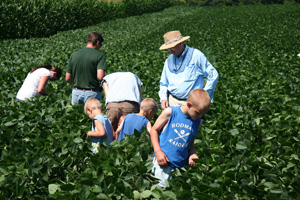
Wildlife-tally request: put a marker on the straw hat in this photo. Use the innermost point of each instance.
(172, 38)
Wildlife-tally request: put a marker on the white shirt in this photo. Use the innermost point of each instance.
(123, 86)
(30, 86)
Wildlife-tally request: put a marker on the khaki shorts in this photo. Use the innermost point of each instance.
(175, 102)
(115, 110)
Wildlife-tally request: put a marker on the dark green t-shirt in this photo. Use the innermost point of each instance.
(83, 66)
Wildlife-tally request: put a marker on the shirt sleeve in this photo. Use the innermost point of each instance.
(211, 75)
(102, 63)
(164, 83)
(140, 84)
(69, 69)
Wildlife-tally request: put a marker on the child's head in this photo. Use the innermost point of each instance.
(198, 103)
(92, 107)
(150, 107)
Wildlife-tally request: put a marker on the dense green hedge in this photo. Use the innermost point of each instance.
(40, 18)
(237, 2)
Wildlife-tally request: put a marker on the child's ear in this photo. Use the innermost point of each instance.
(189, 105)
(149, 111)
(88, 110)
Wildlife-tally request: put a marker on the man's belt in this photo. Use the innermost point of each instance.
(179, 99)
(85, 89)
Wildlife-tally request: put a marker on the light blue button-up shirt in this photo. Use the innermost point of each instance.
(183, 74)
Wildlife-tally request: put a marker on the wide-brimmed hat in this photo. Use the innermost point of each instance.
(172, 38)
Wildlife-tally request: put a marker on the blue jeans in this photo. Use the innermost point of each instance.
(80, 96)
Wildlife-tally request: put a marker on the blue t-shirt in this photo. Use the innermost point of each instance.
(132, 122)
(175, 140)
(108, 130)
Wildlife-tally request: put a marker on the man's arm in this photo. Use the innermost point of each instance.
(160, 123)
(100, 74)
(211, 75)
(105, 87)
(69, 78)
(163, 88)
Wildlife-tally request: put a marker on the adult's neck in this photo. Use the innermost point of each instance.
(90, 45)
(182, 50)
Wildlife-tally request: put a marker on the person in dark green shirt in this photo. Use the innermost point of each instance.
(86, 70)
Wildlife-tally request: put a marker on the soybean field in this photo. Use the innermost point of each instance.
(249, 142)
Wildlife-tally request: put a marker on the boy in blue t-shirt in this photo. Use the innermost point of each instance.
(173, 134)
(136, 121)
(102, 130)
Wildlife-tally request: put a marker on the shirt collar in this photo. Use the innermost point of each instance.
(184, 52)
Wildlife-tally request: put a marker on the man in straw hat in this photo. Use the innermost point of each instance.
(184, 71)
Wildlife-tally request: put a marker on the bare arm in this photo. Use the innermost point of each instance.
(42, 85)
(69, 78)
(148, 126)
(99, 130)
(119, 130)
(192, 154)
(100, 74)
(105, 87)
(114, 134)
(160, 123)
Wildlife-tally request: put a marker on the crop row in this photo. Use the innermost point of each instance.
(39, 18)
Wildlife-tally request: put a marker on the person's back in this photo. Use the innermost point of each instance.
(86, 70)
(138, 121)
(123, 95)
(86, 62)
(123, 86)
(131, 123)
(30, 86)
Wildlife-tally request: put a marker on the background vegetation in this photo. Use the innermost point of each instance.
(238, 2)
(248, 144)
(41, 18)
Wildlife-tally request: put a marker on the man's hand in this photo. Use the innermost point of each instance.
(191, 162)
(69, 78)
(162, 159)
(164, 104)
